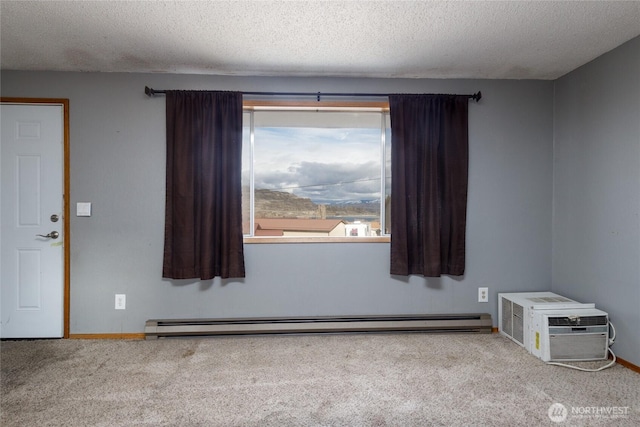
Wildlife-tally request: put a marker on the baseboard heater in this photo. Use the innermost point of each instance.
(165, 328)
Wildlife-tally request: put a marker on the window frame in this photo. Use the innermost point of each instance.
(280, 105)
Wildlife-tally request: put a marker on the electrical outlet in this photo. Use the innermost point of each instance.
(483, 294)
(121, 301)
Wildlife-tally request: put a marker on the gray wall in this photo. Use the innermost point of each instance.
(117, 162)
(596, 200)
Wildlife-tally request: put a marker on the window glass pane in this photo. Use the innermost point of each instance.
(317, 165)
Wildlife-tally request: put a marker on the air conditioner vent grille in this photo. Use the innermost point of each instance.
(518, 323)
(578, 321)
(542, 300)
(507, 317)
(578, 347)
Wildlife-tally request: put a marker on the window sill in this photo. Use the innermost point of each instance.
(278, 240)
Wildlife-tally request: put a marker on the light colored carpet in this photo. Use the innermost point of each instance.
(334, 380)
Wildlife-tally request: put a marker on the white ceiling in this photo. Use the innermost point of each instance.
(430, 39)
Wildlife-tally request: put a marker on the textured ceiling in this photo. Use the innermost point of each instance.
(431, 39)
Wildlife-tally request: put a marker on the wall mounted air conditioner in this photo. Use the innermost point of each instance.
(553, 327)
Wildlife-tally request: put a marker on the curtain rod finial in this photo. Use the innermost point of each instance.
(148, 91)
(477, 96)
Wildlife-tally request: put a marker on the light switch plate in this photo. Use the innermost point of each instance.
(83, 209)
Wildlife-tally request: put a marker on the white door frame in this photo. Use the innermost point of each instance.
(65, 160)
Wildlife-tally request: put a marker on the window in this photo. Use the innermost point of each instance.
(318, 172)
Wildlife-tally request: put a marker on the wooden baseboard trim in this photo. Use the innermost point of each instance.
(628, 365)
(494, 330)
(123, 336)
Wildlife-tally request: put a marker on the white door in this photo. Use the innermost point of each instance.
(31, 208)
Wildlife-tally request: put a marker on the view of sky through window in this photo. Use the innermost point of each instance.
(326, 165)
(309, 165)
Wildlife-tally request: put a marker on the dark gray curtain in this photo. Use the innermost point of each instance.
(203, 217)
(429, 168)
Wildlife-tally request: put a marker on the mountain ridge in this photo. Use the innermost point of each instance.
(281, 204)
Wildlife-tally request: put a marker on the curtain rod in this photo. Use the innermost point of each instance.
(151, 92)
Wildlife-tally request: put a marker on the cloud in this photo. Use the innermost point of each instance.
(323, 164)
(325, 181)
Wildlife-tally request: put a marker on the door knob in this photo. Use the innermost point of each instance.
(52, 235)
